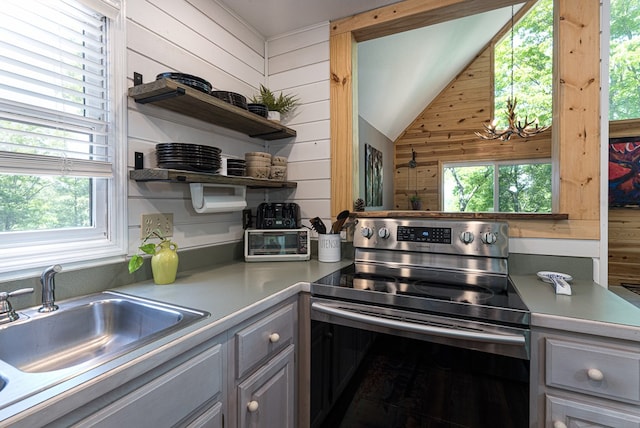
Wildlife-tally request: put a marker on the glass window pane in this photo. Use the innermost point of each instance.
(524, 188)
(468, 188)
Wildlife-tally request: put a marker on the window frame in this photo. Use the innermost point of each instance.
(496, 168)
(26, 254)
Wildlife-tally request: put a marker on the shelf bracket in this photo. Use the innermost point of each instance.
(154, 98)
(227, 198)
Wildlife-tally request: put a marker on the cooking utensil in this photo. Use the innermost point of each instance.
(318, 225)
(342, 216)
(559, 281)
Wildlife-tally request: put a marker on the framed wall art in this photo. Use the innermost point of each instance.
(372, 176)
(624, 172)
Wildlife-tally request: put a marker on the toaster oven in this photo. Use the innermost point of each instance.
(276, 245)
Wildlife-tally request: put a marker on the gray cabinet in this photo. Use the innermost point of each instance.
(264, 352)
(191, 390)
(586, 381)
(267, 397)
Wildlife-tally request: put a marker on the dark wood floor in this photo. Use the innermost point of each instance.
(406, 384)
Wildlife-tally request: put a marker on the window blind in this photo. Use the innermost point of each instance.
(53, 89)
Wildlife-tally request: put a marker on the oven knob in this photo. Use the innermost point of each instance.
(466, 237)
(489, 238)
(367, 232)
(383, 233)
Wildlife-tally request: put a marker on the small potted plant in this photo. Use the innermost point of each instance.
(416, 203)
(279, 106)
(164, 258)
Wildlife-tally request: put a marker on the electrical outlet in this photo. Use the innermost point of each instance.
(151, 222)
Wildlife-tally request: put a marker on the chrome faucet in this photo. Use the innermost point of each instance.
(7, 313)
(47, 279)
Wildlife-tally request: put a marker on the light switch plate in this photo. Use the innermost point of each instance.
(160, 221)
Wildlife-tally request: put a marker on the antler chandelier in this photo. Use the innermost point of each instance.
(516, 127)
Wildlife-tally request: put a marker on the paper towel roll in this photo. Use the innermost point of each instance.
(226, 198)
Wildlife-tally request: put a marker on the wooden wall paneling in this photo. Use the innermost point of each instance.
(142, 42)
(182, 48)
(342, 123)
(186, 36)
(298, 63)
(577, 113)
(234, 28)
(423, 179)
(210, 32)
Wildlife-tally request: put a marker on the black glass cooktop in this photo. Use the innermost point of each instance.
(488, 302)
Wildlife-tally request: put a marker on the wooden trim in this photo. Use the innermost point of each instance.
(411, 14)
(576, 132)
(341, 118)
(451, 215)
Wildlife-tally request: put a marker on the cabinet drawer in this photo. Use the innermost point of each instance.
(167, 399)
(570, 413)
(596, 370)
(264, 338)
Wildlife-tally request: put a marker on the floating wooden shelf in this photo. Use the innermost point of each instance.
(470, 216)
(179, 176)
(170, 95)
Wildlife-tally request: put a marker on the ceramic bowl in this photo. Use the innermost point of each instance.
(279, 160)
(258, 171)
(278, 173)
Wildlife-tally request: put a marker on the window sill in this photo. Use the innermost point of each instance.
(468, 216)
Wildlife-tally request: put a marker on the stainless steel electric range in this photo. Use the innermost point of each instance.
(436, 280)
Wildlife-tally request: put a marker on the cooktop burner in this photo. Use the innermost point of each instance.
(483, 302)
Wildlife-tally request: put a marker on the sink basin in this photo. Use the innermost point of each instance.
(92, 329)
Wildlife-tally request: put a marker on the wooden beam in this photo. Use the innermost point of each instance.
(576, 129)
(341, 118)
(411, 14)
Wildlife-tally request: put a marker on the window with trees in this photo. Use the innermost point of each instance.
(624, 60)
(498, 187)
(57, 138)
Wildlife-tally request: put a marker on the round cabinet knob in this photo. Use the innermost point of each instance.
(383, 233)
(595, 374)
(274, 337)
(559, 424)
(466, 237)
(367, 232)
(489, 238)
(252, 406)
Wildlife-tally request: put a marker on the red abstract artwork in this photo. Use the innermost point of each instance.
(624, 172)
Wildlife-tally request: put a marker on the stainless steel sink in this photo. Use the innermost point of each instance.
(90, 330)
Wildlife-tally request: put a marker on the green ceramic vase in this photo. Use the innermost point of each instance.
(164, 263)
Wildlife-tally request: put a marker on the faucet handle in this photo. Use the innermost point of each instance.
(7, 313)
(4, 295)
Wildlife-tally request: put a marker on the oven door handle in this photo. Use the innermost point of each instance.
(508, 339)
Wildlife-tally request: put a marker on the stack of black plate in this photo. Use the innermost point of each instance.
(236, 167)
(259, 109)
(190, 157)
(194, 82)
(232, 98)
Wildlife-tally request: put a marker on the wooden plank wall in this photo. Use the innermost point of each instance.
(624, 225)
(201, 37)
(444, 132)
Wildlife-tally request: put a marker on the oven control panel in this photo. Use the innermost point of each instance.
(478, 238)
(436, 235)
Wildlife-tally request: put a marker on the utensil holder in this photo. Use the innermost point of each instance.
(329, 247)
